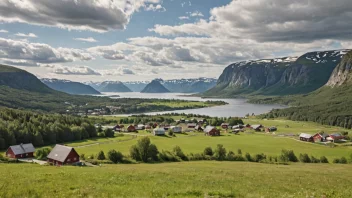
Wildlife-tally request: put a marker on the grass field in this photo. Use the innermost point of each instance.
(186, 179)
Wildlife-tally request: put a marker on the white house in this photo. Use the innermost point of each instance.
(176, 129)
(159, 131)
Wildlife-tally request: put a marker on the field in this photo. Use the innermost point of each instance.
(253, 143)
(186, 179)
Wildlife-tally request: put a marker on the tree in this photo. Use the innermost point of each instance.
(144, 150)
(178, 152)
(115, 156)
(109, 133)
(220, 152)
(323, 159)
(153, 152)
(134, 153)
(208, 151)
(101, 155)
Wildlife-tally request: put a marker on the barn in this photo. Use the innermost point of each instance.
(131, 128)
(211, 131)
(225, 125)
(320, 137)
(62, 155)
(159, 131)
(336, 137)
(306, 137)
(176, 129)
(20, 151)
(199, 128)
(191, 125)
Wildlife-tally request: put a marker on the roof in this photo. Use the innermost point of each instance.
(256, 126)
(324, 135)
(159, 130)
(192, 124)
(208, 129)
(60, 153)
(22, 148)
(224, 124)
(172, 127)
(237, 126)
(305, 135)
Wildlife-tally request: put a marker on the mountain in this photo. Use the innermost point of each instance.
(110, 86)
(280, 76)
(330, 104)
(69, 87)
(136, 86)
(189, 85)
(155, 87)
(19, 79)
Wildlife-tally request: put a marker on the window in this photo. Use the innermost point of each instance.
(74, 159)
(68, 160)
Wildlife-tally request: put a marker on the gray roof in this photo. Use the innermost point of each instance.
(60, 153)
(208, 129)
(305, 135)
(23, 148)
(159, 130)
(256, 126)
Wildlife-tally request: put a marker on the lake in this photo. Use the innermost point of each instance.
(236, 107)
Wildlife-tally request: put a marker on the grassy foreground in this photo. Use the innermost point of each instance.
(187, 179)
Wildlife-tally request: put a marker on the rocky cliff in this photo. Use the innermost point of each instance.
(342, 74)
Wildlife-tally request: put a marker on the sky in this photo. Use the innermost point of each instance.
(137, 40)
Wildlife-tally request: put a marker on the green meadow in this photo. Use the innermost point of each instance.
(185, 179)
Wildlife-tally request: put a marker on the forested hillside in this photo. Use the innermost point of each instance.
(18, 127)
(70, 87)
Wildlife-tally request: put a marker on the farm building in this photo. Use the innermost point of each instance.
(199, 128)
(270, 129)
(117, 128)
(61, 155)
(148, 127)
(335, 137)
(320, 137)
(306, 137)
(140, 127)
(167, 127)
(257, 127)
(176, 129)
(225, 125)
(131, 128)
(20, 151)
(240, 126)
(211, 131)
(191, 125)
(159, 131)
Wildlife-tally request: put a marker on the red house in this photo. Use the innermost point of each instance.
(335, 137)
(61, 155)
(225, 125)
(20, 151)
(211, 131)
(320, 137)
(131, 128)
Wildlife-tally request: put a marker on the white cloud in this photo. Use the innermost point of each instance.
(18, 50)
(157, 7)
(196, 14)
(120, 71)
(93, 15)
(183, 17)
(89, 39)
(72, 70)
(4, 31)
(30, 35)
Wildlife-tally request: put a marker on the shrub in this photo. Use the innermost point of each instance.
(323, 159)
(304, 158)
(41, 154)
(314, 160)
(178, 152)
(208, 151)
(101, 156)
(134, 153)
(109, 133)
(220, 152)
(153, 152)
(144, 151)
(115, 156)
(231, 156)
(82, 156)
(239, 151)
(167, 156)
(343, 160)
(288, 156)
(91, 156)
(259, 157)
(170, 133)
(336, 161)
(248, 157)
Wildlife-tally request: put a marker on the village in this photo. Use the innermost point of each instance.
(61, 154)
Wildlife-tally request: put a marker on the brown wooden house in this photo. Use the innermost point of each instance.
(211, 131)
(61, 155)
(306, 137)
(225, 125)
(21, 151)
(131, 128)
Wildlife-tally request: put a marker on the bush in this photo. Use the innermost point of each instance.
(41, 154)
(208, 151)
(220, 152)
(259, 157)
(288, 156)
(231, 156)
(101, 156)
(167, 156)
(248, 157)
(170, 133)
(153, 152)
(115, 157)
(134, 153)
(239, 151)
(336, 161)
(178, 152)
(82, 157)
(343, 160)
(91, 156)
(323, 159)
(109, 133)
(304, 158)
(314, 160)
(144, 151)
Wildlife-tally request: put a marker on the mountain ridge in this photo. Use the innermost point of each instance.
(70, 87)
(155, 87)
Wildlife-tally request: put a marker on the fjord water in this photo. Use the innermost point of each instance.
(235, 107)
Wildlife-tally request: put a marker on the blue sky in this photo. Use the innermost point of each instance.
(147, 39)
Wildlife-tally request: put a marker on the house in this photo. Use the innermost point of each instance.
(257, 127)
(140, 127)
(159, 131)
(176, 129)
(199, 128)
(148, 127)
(335, 137)
(211, 131)
(191, 125)
(167, 127)
(225, 125)
(117, 128)
(240, 126)
(182, 120)
(61, 155)
(21, 151)
(306, 137)
(320, 137)
(131, 128)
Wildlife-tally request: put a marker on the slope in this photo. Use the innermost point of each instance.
(111, 86)
(155, 87)
(69, 87)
